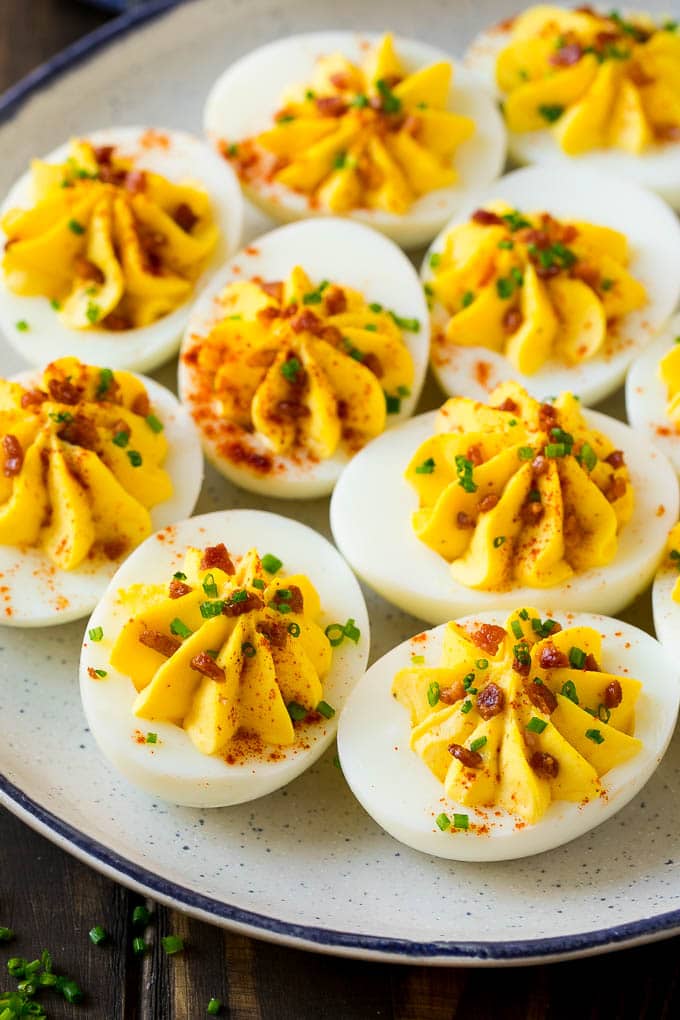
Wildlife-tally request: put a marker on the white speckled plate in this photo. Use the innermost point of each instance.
(306, 865)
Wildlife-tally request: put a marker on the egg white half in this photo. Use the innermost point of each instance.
(658, 169)
(172, 768)
(36, 593)
(243, 100)
(371, 521)
(185, 159)
(646, 396)
(345, 253)
(398, 790)
(666, 611)
(653, 233)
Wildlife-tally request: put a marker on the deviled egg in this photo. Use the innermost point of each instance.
(106, 241)
(309, 343)
(388, 131)
(666, 596)
(213, 667)
(598, 88)
(653, 392)
(93, 462)
(490, 739)
(487, 505)
(556, 281)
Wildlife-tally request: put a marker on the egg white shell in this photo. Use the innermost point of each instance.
(646, 396)
(36, 593)
(658, 169)
(243, 100)
(396, 787)
(371, 521)
(186, 159)
(348, 254)
(653, 233)
(173, 769)
(666, 611)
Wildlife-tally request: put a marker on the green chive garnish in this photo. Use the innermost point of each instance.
(105, 380)
(209, 586)
(577, 658)
(172, 944)
(427, 467)
(326, 710)
(97, 935)
(296, 711)
(75, 227)
(466, 706)
(498, 541)
(180, 629)
(477, 744)
(22, 325)
(6, 934)
(551, 112)
(523, 614)
(525, 453)
(417, 660)
(294, 629)
(121, 439)
(603, 713)
(392, 404)
(443, 822)
(410, 325)
(139, 946)
(569, 691)
(467, 298)
(214, 1007)
(289, 369)
(435, 259)
(135, 458)
(482, 663)
(101, 673)
(461, 822)
(152, 738)
(179, 576)
(587, 457)
(248, 649)
(433, 693)
(595, 736)
(271, 563)
(95, 633)
(259, 583)
(92, 312)
(154, 423)
(517, 629)
(536, 725)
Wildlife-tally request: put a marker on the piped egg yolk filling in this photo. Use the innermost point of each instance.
(532, 287)
(377, 136)
(517, 492)
(82, 457)
(674, 557)
(669, 369)
(306, 367)
(112, 246)
(518, 716)
(226, 649)
(595, 80)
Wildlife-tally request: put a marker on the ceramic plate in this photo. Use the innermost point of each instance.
(305, 866)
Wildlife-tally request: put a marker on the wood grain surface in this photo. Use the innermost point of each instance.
(52, 901)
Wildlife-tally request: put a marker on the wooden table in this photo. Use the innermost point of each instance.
(52, 901)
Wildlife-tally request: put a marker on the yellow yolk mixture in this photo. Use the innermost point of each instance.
(597, 80)
(669, 369)
(375, 136)
(307, 367)
(518, 716)
(82, 457)
(517, 492)
(226, 649)
(111, 246)
(532, 287)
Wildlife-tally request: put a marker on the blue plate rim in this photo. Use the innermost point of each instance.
(305, 936)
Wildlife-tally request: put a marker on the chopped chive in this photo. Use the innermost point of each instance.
(477, 744)
(427, 467)
(135, 458)
(505, 287)
(392, 404)
(417, 660)
(390, 102)
(443, 822)
(179, 576)
(466, 706)
(95, 633)
(568, 690)
(360, 101)
(370, 327)
(172, 944)
(555, 450)
(312, 298)
(498, 541)
(209, 586)
(410, 325)
(295, 711)
(523, 614)
(70, 990)
(525, 453)
(335, 633)
(22, 325)
(154, 423)
(461, 822)
(326, 710)
(482, 664)
(375, 307)
(465, 470)
(271, 563)
(468, 680)
(6, 934)
(595, 736)
(467, 298)
(515, 220)
(152, 738)
(290, 368)
(577, 658)
(215, 1006)
(606, 284)
(603, 713)
(587, 457)
(75, 227)
(121, 439)
(352, 631)
(294, 629)
(92, 312)
(55, 304)
(105, 381)
(433, 692)
(551, 111)
(536, 725)
(517, 629)
(61, 416)
(248, 649)
(240, 595)
(259, 583)
(101, 673)
(435, 259)
(97, 935)
(179, 628)
(506, 244)
(212, 652)
(139, 946)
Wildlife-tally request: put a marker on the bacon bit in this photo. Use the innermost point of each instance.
(532, 511)
(331, 106)
(114, 549)
(486, 218)
(587, 274)
(668, 132)
(185, 217)
(289, 311)
(512, 320)
(115, 322)
(14, 455)
(250, 602)
(540, 465)
(135, 182)
(33, 399)
(469, 759)
(108, 174)
(335, 300)
(216, 556)
(177, 589)
(566, 56)
(64, 392)
(240, 454)
(449, 695)
(547, 272)
(87, 270)
(342, 409)
(103, 154)
(291, 409)
(544, 764)
(616, 459)
(164, 644)
(541, 697)
(141, 405)
(274, 288)
(268, 313)
(490, 701)
(340, 80)
(464, 520)
(332, 335)
(294, 600)
(263, 358)
(275, 633)
(475, 454)
(508, 405)
(487, 503)
(373, 363)
(488, 637)
(547, 416)
(591, 663)
(616, 489)
(613, 695)
(638, 76)
(552, 658)
(81, 431)
(306, 321)
(206, 666)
